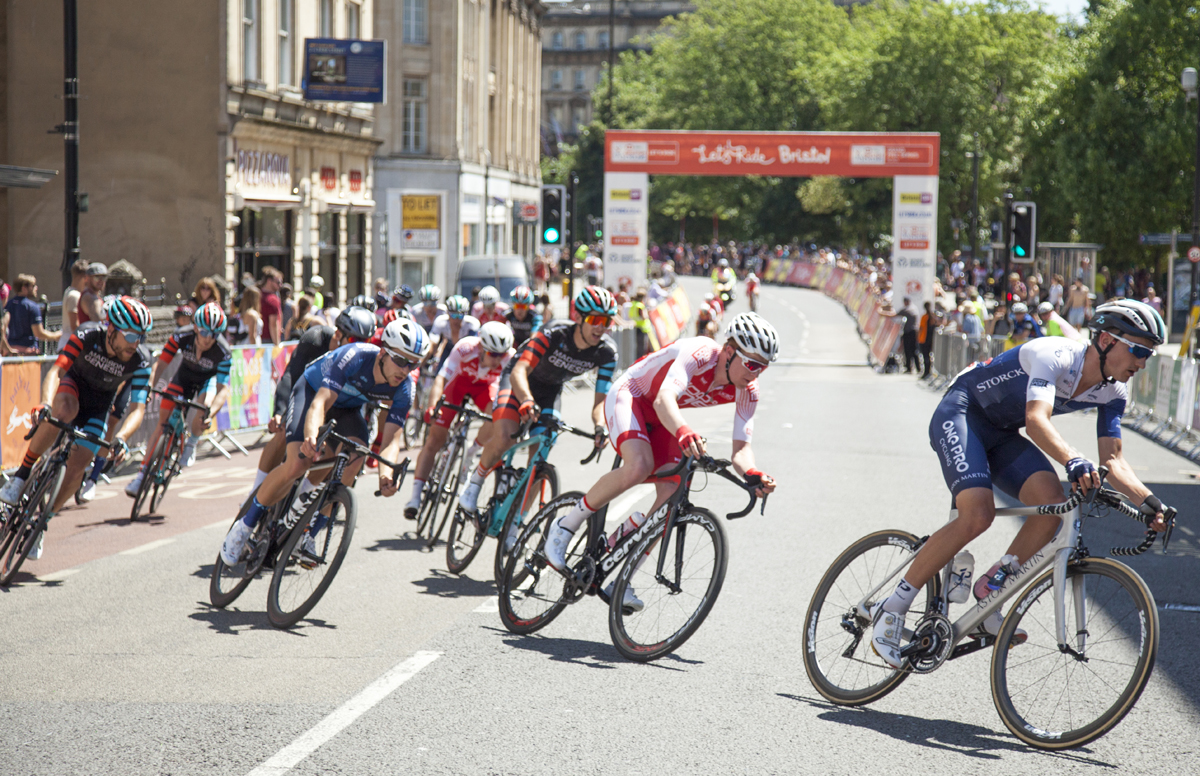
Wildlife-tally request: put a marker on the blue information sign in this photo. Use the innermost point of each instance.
(344, 70)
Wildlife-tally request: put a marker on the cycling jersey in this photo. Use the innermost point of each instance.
(465, 375)
(197, 370)
(497, 313)
(424, 321)
(86, 361)
(523, 330)
(441, 328)
(349, 372)
(1027, 327)
(312, 345)
(553, 359)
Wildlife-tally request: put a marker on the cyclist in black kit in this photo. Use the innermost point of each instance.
(521, 317)
(535, 378)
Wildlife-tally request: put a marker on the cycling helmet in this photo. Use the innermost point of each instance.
(363, 301)
(709, 297)
(458, 304)
(489, 295)
(1045, 307)
(1020, 307)
(357, 322)
(594, 300)
(521, 295)
(1137, 319)
(403, 293)
(404, 337)
(210, 319)
(723, 263)
(317, 282)
(496, 337)
(128, 314)
(430, 294)
(755, 336)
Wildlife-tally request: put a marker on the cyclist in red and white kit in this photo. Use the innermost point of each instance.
(472, 369)
(489, 307)
(647, 429)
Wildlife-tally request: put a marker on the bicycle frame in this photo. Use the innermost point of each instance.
(525, 481)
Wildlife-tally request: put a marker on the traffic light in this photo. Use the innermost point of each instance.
(597, 226)
(1024, 232)
(554, 215)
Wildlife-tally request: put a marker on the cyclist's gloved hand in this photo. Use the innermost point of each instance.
(274, 424)
(1082, 472)
(1153, 507)
(601, 436)
(689, 441)
(765, 482)
(429, 415)
(118, 451)
(528, 410)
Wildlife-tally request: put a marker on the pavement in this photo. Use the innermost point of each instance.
(122, 666)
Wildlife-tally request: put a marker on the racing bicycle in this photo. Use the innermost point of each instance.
(23, 524)
(446, 476)
(678, 585)
(415, 429)
(163, 462)
(302, 570)
(1091, 624)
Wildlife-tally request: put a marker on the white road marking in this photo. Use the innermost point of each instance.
(57, 576)
(216, 490)
(341, 718)
(490, 605)
(624, 504)
(146, 547)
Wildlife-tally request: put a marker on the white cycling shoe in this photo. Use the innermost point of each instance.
(510, 539)
(36, 552)
(135, 484)
(87, 491)
(628, 601)
(469, 500)
(11, 492)
(412, 507)
(235, 542)
(887, 635)
(188, 456)
(558, 540)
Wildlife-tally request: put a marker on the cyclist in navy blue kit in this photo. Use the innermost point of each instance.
(336, 387)
(975, 432)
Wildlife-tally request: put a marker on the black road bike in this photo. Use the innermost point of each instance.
(163, 462)
(446, 476)
(678, 588)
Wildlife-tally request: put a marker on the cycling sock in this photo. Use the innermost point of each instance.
(26, 466)
(97, 467)
(579, 513)
(255, 511)
(418, 486)
(259, 476)
(899, 601)
(306, 486)
(481, 474)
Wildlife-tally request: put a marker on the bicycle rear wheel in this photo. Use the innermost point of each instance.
(150, 473)
(228, 582)
(532, 593)
(449, 496)
(29, 523)
(169, 468)
(838, 656)
(300, 579)
(542, 489)
(469, 529)
(673, 608)
(438, 493)
(1056, 700)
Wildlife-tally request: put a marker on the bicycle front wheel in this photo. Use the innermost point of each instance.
(150, 473)
(838, 656)
(438, 492)
(1055, 699)
(27, 525)
(449, 494)
(542, 489)
(674, 606)
(169, 466)
(303, 575)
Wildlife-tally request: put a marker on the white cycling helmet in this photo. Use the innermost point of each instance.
(755, 336)
(496, 337)
(458, 304)
(489, 295)
(404, 337)
(1020, 307)
(1129, 317)
(1045, 307)
(317, 282)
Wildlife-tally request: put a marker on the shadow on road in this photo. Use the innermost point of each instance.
(946, 735)
(24, 578)
(233, 622)
(405, 542)
(443, 584)
(584, 653)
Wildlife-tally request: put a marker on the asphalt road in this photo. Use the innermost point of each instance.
(116, 663)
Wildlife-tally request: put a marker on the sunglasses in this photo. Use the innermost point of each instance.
(132, 338)
(752, 366)
(598, 320)
(1139, 351)
(519, 306)
(457, 316)
(400, 361)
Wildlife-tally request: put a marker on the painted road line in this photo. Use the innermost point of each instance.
(57, 576)
(489, 606)
(291, 755)
(622, 505)
(146, 547)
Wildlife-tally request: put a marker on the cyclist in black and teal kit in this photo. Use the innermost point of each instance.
(535, 378)
(521, 317)
(205, 357)
(79, 390)
(336, 387)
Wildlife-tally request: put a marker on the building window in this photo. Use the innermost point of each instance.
(602, 39)
(250, 41)
(556, 79)
(353, 15)
(581, 40)
(326, 18)
(356, 230)
(416, 21)
(287, 42)
(327, 261)
(263, 238)
(556, 40)
(416, 112)
(580, 80)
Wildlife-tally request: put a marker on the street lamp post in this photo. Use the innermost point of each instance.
(1188, 82)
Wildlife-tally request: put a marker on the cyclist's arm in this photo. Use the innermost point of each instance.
(324, 399)
(598, 411)
(743, 457)
(391, 449)
(139, 389)
(519, 379)
(223, 390)
(1046, 436)
(50, 385)
(435, 393)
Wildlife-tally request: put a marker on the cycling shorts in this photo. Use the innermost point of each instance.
(93, 410)
(629, 417)
(483, 395)
(351, 422)
(183, 389)
(974, 453)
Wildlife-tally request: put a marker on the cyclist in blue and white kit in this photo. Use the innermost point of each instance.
(976, 434)
(335, 387)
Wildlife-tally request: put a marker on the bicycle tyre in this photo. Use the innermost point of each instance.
(435, 493)
(27, 526)
(545, 486)
(228, 582)
(171, 463)
(826, 638)
(1115, 600)
(651, 633)
(446, 494)
(283, 608)
(531, 593)
(464, 540)
(150, 475)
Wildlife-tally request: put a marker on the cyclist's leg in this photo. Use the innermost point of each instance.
(433, 444)
(90, 417)
(271, 455)
(64, 407)
(506, 419)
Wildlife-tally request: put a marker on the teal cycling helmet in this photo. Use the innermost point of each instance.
(595, 300)
(210, 319)
(458, 304)
(129, 314)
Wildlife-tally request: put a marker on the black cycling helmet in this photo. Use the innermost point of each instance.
(357, 322)
(364, 301)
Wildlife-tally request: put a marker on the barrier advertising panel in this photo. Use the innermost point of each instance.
(20, 392)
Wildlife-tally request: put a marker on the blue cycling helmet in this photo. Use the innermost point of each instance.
(595, 300)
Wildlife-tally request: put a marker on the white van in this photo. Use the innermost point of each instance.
(504, 272)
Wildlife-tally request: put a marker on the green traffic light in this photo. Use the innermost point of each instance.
(599, 234)
(1019, 250)
(550, 235)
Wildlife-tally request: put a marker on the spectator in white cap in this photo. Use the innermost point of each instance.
(314, 290)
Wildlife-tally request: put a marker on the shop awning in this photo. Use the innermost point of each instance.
(24, 177)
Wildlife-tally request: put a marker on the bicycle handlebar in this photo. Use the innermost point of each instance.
(180, 400)
(719, 467)
(1114, 500)
(84, 436)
